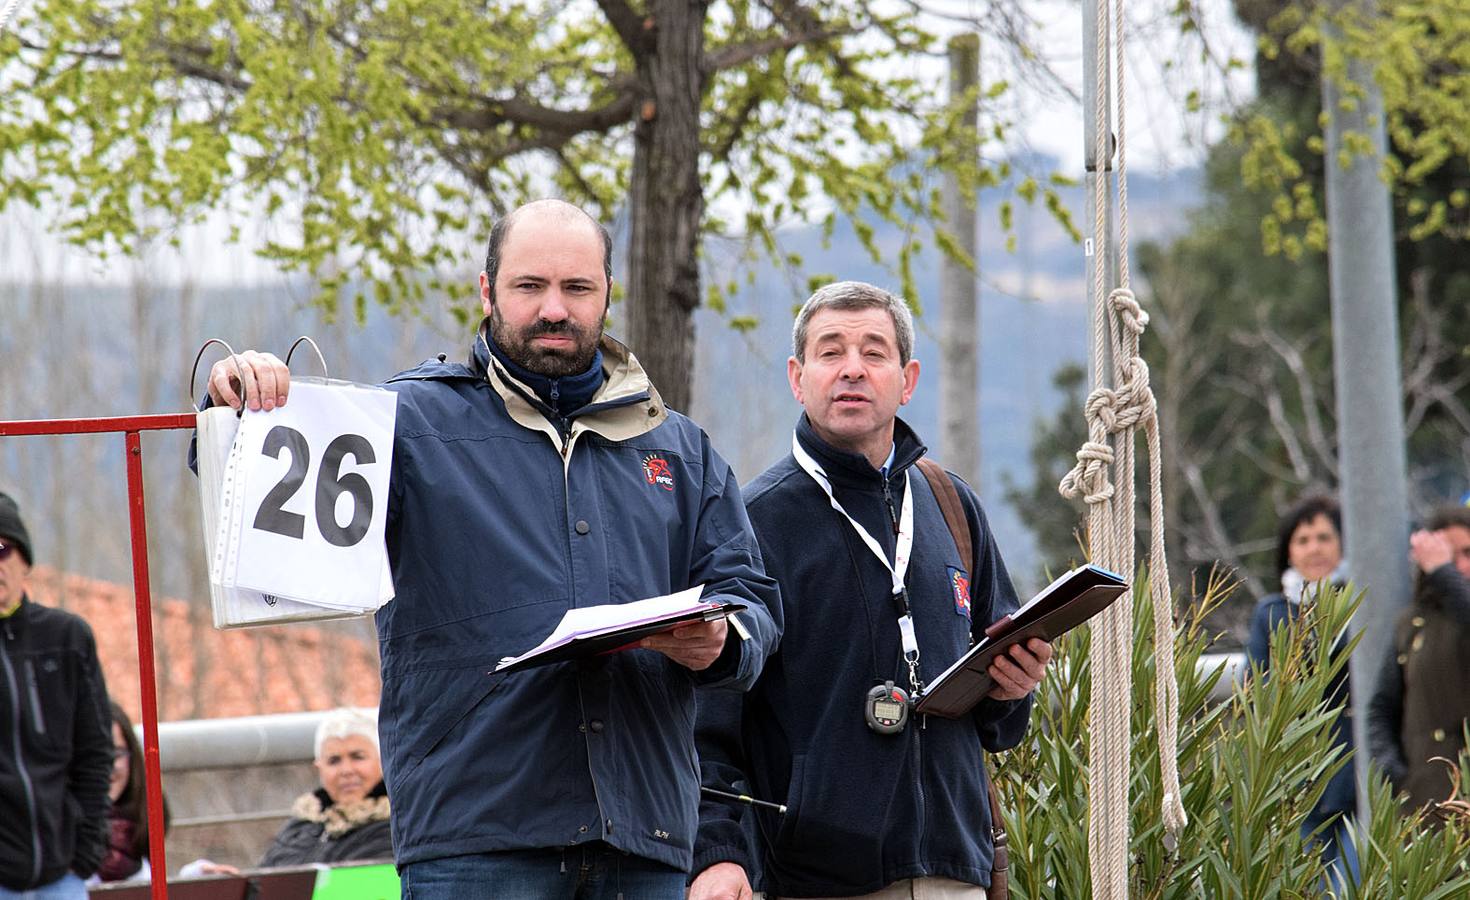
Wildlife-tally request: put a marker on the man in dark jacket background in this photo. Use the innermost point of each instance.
(543, 475)
(858, 544)
(55, 736)
(1421, 702)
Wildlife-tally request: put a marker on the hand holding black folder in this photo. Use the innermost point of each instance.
(589, 631)
(1061, 606)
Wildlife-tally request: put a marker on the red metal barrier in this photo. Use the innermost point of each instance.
(131, 427)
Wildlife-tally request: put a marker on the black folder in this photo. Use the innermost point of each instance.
(581, 646)
(1061, 606)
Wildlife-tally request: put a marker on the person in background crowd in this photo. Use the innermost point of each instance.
(55, 753)
(127, 842)
(1309, 556)
(1422, 698)
(347, 817)
(343, 820)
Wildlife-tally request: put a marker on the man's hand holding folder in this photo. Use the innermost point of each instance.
(1001, 662)
(695, 646)
(1018, 671)
(684, 627)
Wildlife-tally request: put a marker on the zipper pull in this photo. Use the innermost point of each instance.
(892, 513)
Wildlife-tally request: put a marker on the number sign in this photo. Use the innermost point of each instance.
(308, 483)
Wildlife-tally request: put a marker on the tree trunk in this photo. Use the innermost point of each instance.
(667, 203)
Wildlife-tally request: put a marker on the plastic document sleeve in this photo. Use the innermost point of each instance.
(1061, 606)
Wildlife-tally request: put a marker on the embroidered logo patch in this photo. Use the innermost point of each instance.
(656, 470)
(959, 583)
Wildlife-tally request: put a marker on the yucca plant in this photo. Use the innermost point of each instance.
(1252, 768)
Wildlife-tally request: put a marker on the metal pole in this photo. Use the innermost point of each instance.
(959, 338)
(1096, 168)
(138, 521)
(1365, 362)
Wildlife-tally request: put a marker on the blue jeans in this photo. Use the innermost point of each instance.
(593, 871)
(67, 887)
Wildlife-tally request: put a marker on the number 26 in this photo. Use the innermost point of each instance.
(330, 485)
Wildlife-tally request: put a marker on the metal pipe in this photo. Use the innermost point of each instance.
(138, 526)
(164, 422)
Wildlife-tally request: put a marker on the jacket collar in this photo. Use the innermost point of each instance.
(15, 623)
(853, 469)
(626, 406)
(337, 820)
(564, 396)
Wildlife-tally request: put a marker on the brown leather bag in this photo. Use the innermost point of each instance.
(959, 529)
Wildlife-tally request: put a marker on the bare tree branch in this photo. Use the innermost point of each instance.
(1220, 544)
(633, 30)
(739, 54)
(1311, 406)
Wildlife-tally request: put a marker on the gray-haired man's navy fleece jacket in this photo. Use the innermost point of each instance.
(865, 809)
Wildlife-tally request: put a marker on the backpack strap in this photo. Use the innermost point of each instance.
(959, 529)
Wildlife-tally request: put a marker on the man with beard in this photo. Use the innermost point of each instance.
(546, 474)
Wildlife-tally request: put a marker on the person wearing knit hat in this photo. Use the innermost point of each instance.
(13, 528)
(15, 554)
(55, 725)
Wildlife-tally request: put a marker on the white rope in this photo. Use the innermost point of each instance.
(7, 10)
(1114, 416)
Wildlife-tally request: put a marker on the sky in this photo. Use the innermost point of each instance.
(1045, 115)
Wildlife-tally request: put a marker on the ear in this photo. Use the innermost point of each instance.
(910, 380)
(487, 295)
(793, 376)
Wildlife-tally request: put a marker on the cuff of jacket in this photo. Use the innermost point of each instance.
(719, 853)
(85, 860)
(727, 665)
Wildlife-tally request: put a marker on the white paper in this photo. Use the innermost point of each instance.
(308, 566)
(232, 607)
(590, 621)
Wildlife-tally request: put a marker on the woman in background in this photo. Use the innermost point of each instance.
(126, 858)
(344, 820)
(347, 817)
(1309, 556)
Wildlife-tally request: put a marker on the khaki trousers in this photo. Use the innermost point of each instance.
(919, 889)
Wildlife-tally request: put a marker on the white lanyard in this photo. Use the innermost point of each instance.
(903, 548)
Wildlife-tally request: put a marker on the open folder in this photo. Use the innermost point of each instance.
(592, 630)
(1061, 606)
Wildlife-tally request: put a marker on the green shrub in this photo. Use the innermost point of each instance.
(1251, 768)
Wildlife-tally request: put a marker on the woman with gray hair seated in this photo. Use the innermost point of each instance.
(347, 817)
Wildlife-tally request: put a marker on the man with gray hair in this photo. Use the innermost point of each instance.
(876, 596)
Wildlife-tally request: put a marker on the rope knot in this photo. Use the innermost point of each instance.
(1133, 316)
(1136, 399)
(1102, 408)
(1089, 478)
